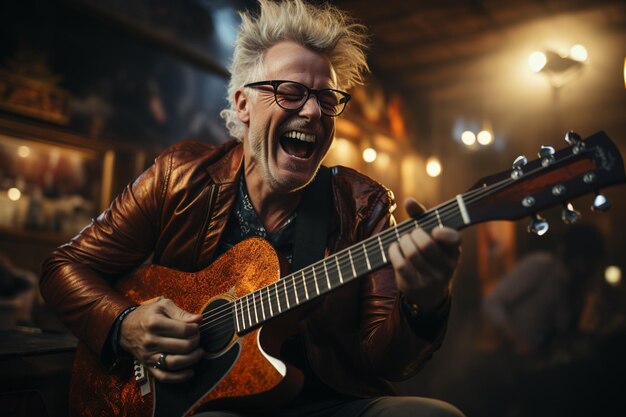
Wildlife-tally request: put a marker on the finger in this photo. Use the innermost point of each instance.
(167, 376)
(411, 246)
(173, 311)
(449, 238)
(174, 345)
(413, 208)
(165, 326)
(408, 276)
(174, 362)
(436, 259)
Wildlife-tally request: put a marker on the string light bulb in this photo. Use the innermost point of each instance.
(369, 155)
(433, 167)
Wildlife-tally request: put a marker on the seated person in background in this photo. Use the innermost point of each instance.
(540, 301)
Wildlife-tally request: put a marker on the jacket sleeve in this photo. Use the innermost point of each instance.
(394, 344)
(77, 279)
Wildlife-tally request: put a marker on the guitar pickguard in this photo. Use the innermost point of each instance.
(180, 399)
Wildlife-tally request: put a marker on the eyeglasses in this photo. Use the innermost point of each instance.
(291, 95)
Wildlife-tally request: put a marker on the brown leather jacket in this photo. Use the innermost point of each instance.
(358, 338)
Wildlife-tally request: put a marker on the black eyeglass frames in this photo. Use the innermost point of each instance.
(291, 95)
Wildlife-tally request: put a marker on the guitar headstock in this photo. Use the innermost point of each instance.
(555, 177)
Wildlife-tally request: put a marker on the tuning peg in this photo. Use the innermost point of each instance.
(538, 225)
(569, 215)
(519, 162)
(574, 140)
(600, 203)
(546, 153)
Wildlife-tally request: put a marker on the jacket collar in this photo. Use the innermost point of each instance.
(228, 168)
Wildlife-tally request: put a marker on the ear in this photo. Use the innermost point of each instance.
(242, 106)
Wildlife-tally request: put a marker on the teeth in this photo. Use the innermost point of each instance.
(305, 137)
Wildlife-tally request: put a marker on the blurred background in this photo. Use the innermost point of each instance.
(91, 91)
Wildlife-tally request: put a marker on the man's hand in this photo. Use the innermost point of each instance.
(162, 327)
(423, 263)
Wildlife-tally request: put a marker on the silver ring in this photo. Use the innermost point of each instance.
(160, 363)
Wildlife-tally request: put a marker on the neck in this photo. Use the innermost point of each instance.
(272, 207)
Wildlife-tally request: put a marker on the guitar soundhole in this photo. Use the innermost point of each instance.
(217, 327)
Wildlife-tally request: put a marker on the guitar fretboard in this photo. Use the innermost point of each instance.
(293, 290)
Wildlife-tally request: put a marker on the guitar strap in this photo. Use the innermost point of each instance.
(312, 221)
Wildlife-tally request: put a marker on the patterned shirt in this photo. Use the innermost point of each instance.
(244, 222)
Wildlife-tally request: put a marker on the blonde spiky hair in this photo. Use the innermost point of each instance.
(324, 29)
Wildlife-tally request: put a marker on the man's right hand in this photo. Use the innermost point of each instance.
(162, 327)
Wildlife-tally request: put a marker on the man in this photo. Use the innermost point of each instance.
(290, 64)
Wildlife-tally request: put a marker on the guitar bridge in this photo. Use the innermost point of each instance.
(141, 376)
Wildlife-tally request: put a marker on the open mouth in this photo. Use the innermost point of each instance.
(298, 144)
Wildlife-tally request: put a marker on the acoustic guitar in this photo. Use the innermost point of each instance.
(243, 298)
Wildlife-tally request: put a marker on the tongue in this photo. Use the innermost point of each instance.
(296, 147)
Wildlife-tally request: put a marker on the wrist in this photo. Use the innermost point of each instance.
(117, 333)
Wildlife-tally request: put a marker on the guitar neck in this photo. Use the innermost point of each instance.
(529, 187)
(338, 269)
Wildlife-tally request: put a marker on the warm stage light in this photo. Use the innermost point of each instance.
(578, 53)
(484, 137)
(613, 275)
(369, 155)
(468, 138)
(14, 194)
(537, 60)
(433, 167)
(23, 151)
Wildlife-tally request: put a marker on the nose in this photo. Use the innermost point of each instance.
(311, 108)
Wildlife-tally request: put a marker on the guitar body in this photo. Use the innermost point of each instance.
(243, 371)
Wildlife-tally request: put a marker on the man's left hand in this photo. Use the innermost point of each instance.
(425, 263)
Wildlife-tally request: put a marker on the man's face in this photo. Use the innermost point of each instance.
(284, 148)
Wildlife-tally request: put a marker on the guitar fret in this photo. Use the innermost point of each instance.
(262, 304)
(382, 251)
(463, 209)
(367, 258)
(395, 229)
(256, 316)
(286, 295)
(327, 278)
(295, 289)
(438, 218)
(269, 299)
(306, 291)
(237, 318)
(352, 263)
(339, 269)
(280, 309)
(249, 317)
(317, 288)
(243, 313)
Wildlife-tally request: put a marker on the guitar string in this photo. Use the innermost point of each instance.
(470, 197)
(358, 261)
(474, 195)
(224, 322)
(226, 310)
(387, 237)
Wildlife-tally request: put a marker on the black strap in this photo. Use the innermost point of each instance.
(312, 221)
